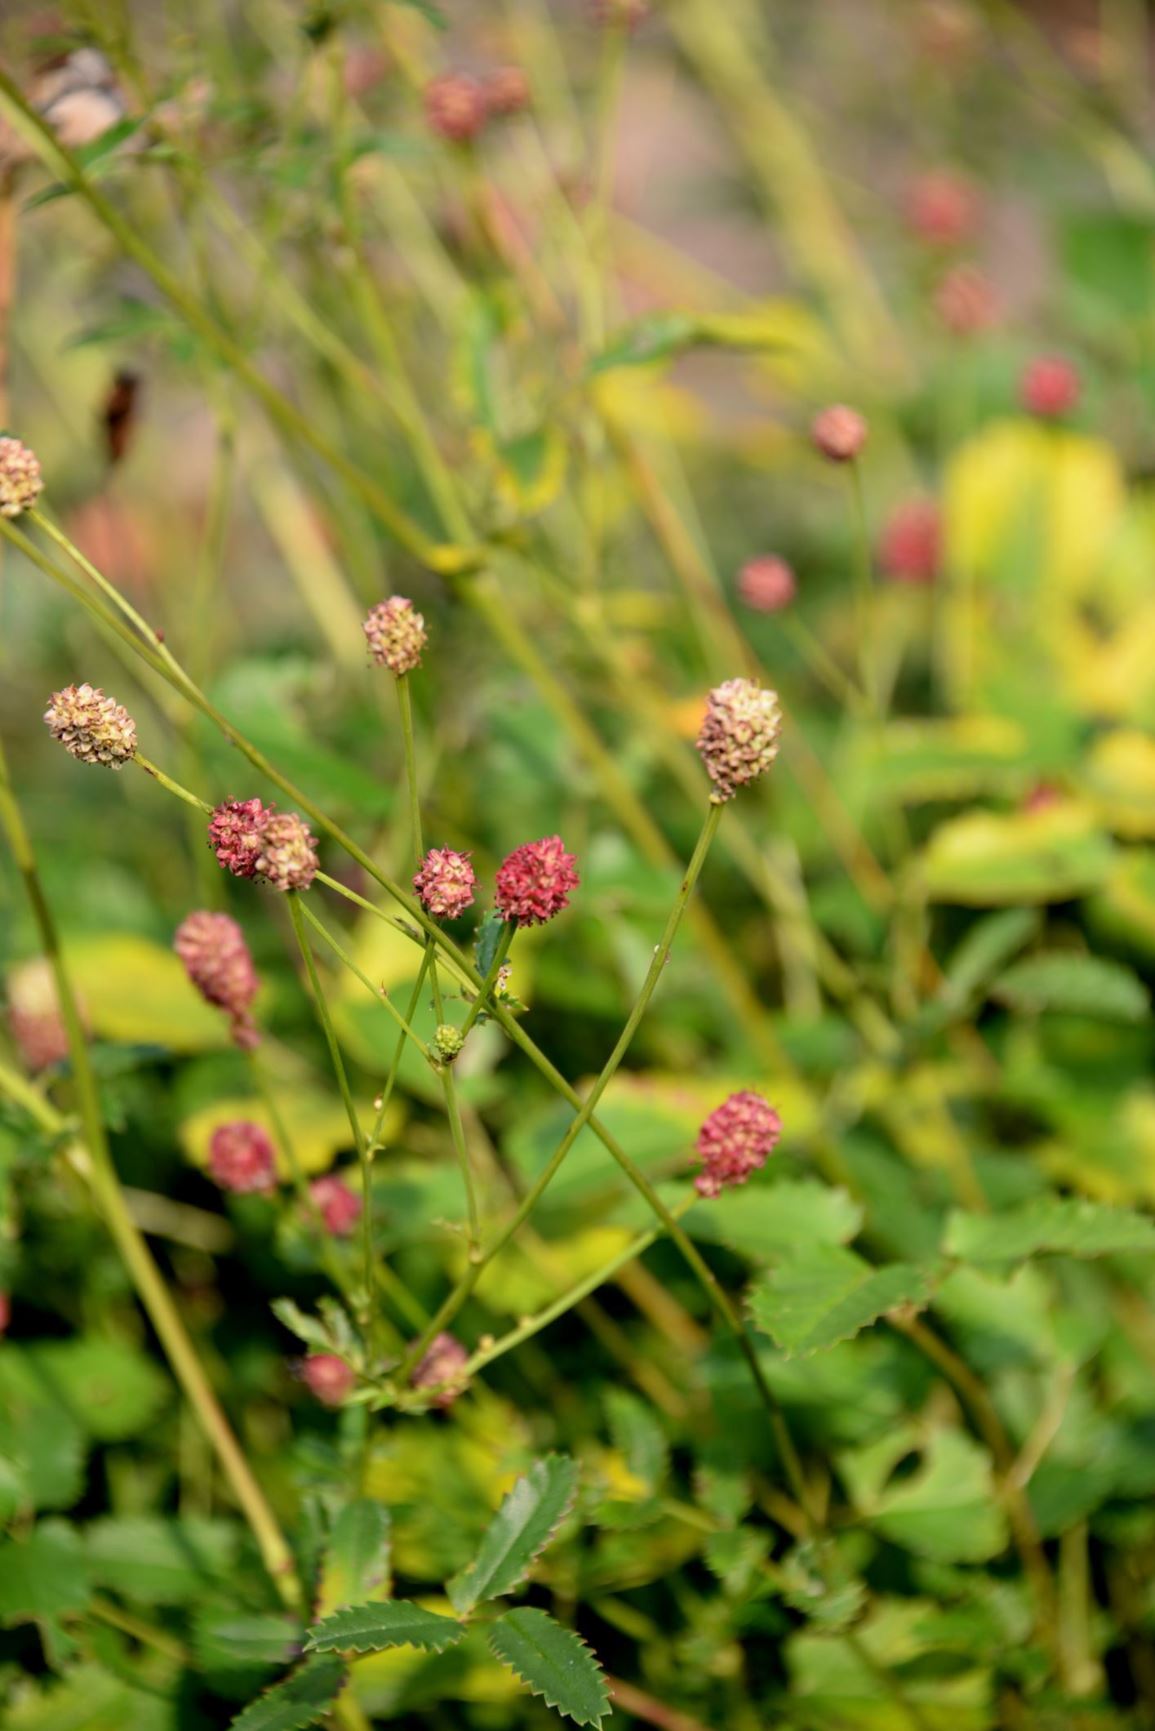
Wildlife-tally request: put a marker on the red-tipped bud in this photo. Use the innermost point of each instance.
(445, 883)
(328, 1378)
(340, 1207)
(1050, 387)
(839, 433)
(442, 1369)
(217, 961)
(241, 1158)
(910, 547)
(534, 883)
(767, 585)
(736, 1139)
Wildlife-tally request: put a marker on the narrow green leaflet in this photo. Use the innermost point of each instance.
(299, 1701)
(1077, 984)
(519, 1532)
(356, 1566)
(988, 946)
(1050, 1223)
(553, 1662)
(372, 1628)
(828, 1294)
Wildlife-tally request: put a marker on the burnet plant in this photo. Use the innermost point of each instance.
(351, 1357)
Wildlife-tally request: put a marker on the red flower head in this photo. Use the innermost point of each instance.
(735, 1140)
(445, 883)
(767, 585)
(328, 1378)
(942, 208)
(1050, 387)
(506, 91)
(839, 433)
(534, 883)
(217, 961)
(340, 1207)
(910, 548)
(965, 301)
(455, 107)
(235, 834)
(442, 1368)
(241, 1158)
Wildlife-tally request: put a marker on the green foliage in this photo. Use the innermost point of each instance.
(518, 1533)
(299, 1701)
(373, 1628)
(827, 1294)
(553, 1662)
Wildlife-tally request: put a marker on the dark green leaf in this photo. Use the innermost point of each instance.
(553, 1662)
(1051, 1223)
(356, 1566)
(828, 1294)
(43, 1575)
(373, 1628)
(1075, 984)
(299, 1701)
(519, 1532)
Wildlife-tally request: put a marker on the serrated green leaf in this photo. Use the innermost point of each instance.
(299, 1701)
(638, 1436)
(552, 1662)
(1050, 1223)
(373, 1628)
(519, 1532)
(828, 1294)
(158, 1561)
(775, 1219)
(43, 1575)
(237, 1642)
(356, 1565)
(1075, 984)
(990, 943)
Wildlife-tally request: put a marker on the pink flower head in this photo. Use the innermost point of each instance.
(21, 482)
(455, 107)
(839, 433)
(738, 739)
(235, 834)
(910, 548)
(1050, 387)
(445, 883)
(288, 855)
(241, 1158)
(328, 1378)
(767, 584)
(217, 961)
(34, 1018)
(965, 301)
(93, 727)
(735, 1140)
(621, 14)
(396, 635)
(442, 1369)
(942, 208)
(506, 91)
(340, 1207)
(534, 883)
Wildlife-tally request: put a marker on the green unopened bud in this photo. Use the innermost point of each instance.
(447, 1043)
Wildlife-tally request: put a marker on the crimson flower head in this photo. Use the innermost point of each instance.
(235, 834)
(735, 1140)
(396, 634)
(839, 433)
(942, 208)
(288, 852)
(965, 301)
(328, 1378)
(1050, 387)
(455, 107)
(506, 91)
(442, 1369)
(910, 548)
(216, 959)
(241, 1158)
(534, 883)
(340, 1207)
(767, 584)
(738, 739)
(445, 883)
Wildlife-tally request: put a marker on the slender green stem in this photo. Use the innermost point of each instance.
(864, 586)
(533, 1195)
(405, 709)
(391, 1078)
(106, 1187)
(169, 784)
(297, 913)
(407, 1031)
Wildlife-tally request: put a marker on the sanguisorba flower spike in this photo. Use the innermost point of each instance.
(396, 635)
(736, 1139)
(93, 727)
(288, 852)
(445, 883)
(739, 736)
(21, 482)
(235, 831)
(217, 961)
(533, 885)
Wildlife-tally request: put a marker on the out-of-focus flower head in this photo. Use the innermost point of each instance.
(910, 546)
(288, 856)
(736, 1139)
(217, 961)
(455, 107)
(442, 1368)
(839, 433)
(328, 1378)
(965, 301)
(739, 736)
(767, 584)
(340, 1207)
(396, 635)
(1050, 387)
(241, 1158)
(942, 208)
